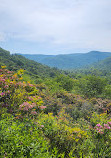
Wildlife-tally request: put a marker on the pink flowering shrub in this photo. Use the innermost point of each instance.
(19, 97)
(100, 134)
(100, 129)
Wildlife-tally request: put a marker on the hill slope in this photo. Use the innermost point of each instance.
(69, 61)
(104, 65)
(15, 62)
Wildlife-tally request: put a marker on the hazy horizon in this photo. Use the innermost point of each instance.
(62, 54)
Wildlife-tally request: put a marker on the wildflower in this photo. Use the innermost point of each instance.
(6, 86)
(26, 106)
(109, 123)
(39, 97)
(30, 98)
(42, 107)
(42, 126)
(2, 93)
(3, 80)
(33, 112)
(34, 104)
(9, 72)
(98, 125)
(106, 126)
(31, 85)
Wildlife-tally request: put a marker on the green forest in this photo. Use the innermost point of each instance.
(50, 113)
(69, 61)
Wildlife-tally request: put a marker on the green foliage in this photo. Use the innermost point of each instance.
(65, 82)
(107, 92)
(53, 85)
(61, 135)
(21, 139)
(91, 85)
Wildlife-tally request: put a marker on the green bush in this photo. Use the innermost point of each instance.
(91, 85)
(21, 139)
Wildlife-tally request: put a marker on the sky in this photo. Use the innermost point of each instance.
(55, 26)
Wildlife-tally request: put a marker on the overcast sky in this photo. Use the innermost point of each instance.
(55, 26)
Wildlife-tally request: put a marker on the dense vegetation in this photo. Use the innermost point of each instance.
(57, 116)
(69, 61)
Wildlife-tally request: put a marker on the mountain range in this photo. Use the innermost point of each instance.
(98, 60)
(69, 61)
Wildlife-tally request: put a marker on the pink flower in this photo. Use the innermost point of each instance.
(33, 112)
(109, 123)
(42, 107)
(6, 86)
(3, 80)
(30, 106)
(26, 106)
(31, 85)
(2, 93)
(98, 125)
(30, 98)
(9, 72)
(106, 126)
(25, 109)
(42, 126)
(34, 104)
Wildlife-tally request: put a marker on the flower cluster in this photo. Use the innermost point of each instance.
(42, 107)
(19, 96)
(100, 129)
(33, 112)
(26, 106)
(106, 126)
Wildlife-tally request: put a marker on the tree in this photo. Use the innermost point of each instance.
(92, 85)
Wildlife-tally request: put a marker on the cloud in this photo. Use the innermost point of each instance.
(60, 23)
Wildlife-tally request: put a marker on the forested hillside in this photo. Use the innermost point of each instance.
(15, 62)
(69, 61)
(104, 65)
(59, 115)
(101, 68)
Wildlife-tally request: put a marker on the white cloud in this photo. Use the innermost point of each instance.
(61, 23)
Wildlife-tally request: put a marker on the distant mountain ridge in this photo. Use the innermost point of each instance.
(69, 61)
